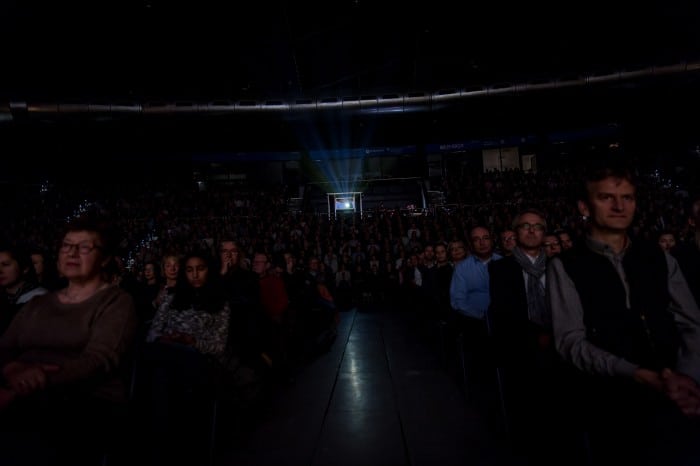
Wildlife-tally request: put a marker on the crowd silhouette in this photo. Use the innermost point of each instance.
(229, 284)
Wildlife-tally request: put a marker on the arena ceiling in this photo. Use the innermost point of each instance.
(157, 50)
(214, 64)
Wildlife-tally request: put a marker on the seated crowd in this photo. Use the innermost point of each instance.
(188, 290)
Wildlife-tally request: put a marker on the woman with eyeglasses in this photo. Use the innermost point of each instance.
(61, 356)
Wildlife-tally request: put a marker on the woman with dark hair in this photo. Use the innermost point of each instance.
(185, 356)
(197, 313)
(61, 356)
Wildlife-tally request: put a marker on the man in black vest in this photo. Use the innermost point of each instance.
(622, 313)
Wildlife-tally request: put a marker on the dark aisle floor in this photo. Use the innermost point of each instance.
(380, 396)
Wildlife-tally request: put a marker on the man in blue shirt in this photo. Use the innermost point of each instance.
(469, 296)
(469, 291)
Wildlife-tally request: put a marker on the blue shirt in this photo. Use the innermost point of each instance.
(469, 290)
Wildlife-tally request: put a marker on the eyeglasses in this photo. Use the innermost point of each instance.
(551, 243)
(83, 248)
(531, 226)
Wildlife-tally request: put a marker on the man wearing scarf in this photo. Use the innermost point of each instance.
(624, 317)
(522, 336)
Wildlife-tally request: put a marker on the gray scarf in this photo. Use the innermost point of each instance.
(536, 306)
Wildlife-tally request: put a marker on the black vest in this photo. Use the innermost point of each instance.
(646, 333)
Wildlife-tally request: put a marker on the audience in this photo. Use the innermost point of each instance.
(346, 261)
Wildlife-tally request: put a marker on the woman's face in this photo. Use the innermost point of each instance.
(457, 251)
(38, 263)
(197, 271)
(80, 256)
(10, 274)
(171, 266)
(149, 272)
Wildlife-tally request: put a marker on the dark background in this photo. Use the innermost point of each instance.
(158, 54)
(206, 50)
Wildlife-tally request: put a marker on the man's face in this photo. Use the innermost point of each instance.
(228, 252)
(552, 245)
(667, 241)
(428, 254)
(508, 240)
(565, 241)
(260, 264)
(530, 231)
(611, 204)
(481, 242)
(441, 254)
